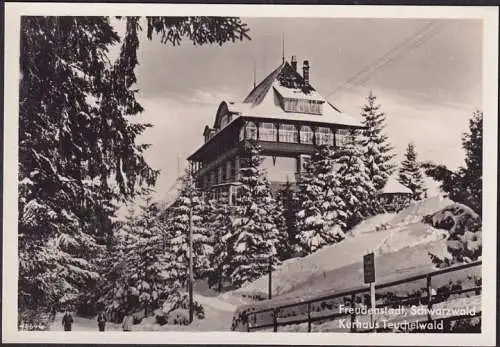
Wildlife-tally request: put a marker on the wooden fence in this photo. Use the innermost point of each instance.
(256, 319)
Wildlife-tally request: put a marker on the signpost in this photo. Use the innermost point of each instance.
(369, 277)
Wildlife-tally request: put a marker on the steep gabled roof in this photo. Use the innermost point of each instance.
(260, 90)
(286, 82)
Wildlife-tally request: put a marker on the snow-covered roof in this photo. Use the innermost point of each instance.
(392, 186)
(269, 107)
(297, 93)
(263, 100)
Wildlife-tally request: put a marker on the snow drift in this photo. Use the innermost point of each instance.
(382, 234)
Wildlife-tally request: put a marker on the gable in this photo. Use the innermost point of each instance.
(257, 94)
(221, 111)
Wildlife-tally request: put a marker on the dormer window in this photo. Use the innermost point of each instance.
(303, 106)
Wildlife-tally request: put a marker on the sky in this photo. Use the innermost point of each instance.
(426, 74)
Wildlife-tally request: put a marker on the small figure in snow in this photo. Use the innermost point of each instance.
(101, 321)
(127, 323)
(67, 321)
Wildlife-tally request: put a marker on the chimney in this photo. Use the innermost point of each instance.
(305, 71)
(294, 62)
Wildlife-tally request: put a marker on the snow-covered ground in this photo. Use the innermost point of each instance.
(82, 324)
(401, 244)
(218, 316)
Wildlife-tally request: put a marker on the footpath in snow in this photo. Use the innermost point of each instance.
(218, 315)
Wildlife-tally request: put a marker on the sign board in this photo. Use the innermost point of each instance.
(369, 267)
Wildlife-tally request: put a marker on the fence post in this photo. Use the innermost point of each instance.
(429, 297)
(353, 314)
(308, 317)
(275, 320)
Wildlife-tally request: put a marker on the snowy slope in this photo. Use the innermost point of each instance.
(340, 265)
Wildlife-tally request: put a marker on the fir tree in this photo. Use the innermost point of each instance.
(254, 226)
(410, 175)
(187, 211)
(322, 211)
(218, 222)
(138, 274)
(377, 150)
(357, 190)
(472, 172)
(287, 245)
(77, 150)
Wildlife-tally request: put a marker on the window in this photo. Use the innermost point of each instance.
(220, 176)
(212, 178)
(342, 137)
(267, 132)
(242, 133)
(228, 171)
(324, 136)
(303, 106)
(232, 170)
(251, 131)
(288, 133)
(306, 134)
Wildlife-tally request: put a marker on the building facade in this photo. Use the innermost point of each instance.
(285, 115)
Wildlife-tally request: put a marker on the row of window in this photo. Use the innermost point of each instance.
(302, 106)
(293, 134)
(222, 174)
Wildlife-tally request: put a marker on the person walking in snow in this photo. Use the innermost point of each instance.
(67, 321)
(101, 321)
(127, 323)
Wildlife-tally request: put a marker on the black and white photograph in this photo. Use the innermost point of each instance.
(278, 174)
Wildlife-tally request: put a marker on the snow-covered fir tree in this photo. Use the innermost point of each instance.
(410, 174)
(377, 150)
(255, 225)
(356, 188)
(185, 213)
(287, 245)
(472, 172)
(218, 223)
(140, 273)
(322, 214)
(77, 149)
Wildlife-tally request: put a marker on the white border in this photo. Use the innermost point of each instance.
(13, 11)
